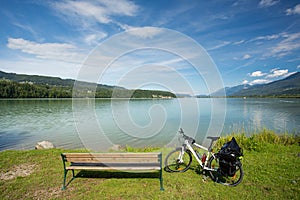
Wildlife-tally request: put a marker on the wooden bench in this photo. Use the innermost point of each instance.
(112, 161)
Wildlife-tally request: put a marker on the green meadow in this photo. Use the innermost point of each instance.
(271, 166)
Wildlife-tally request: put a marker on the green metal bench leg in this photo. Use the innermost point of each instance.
(160, 173)
(161, 181)
(65, 177)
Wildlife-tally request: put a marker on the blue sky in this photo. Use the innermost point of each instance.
(249, 41)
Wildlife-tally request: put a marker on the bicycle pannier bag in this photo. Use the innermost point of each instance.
(228, 157)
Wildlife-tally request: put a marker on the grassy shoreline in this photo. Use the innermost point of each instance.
(271, 164)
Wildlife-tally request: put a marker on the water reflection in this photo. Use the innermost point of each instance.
(276, 114)
(23, 123)
(14, 139)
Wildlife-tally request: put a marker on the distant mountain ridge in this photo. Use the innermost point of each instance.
(14, 85)
(45, 80)
(289, 86)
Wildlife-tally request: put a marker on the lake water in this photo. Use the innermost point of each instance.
(101, 123)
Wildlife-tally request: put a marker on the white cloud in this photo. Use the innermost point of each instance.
(82, 9)
(267, 37)
(246, 56)
(293, 11)
(239, 42)
(88, 12)
(170, 62)
(290, 43)
(275, 73)
(223, 44)
(298, 67)
(278, 73)
(219, 16)
(267, 3)
(125, 27)
(245, 82)
(94, 38)
(259, 81)
(257, 74)
(145, 32)
(55, 51)
(272, 70)
(120, 7)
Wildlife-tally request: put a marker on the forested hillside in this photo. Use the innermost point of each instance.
(27, 86)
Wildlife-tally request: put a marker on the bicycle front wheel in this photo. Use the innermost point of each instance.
(174, 163)
(217, 175)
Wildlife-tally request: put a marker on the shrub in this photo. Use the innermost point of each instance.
(256, 141)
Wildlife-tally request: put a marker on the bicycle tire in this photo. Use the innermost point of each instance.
(172, 164)
(217, 176)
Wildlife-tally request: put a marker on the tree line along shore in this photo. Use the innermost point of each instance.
(12, 89)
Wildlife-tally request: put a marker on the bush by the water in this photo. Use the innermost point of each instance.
(257, 141)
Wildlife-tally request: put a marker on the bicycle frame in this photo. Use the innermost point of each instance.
(191, 149)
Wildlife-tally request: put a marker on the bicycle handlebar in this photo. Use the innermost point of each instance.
(190, 139)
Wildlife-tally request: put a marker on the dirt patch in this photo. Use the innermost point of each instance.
(53, 193)
(17, 171)
(47, 194)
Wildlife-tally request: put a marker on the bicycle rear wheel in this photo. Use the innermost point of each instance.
(173, 162)
(217, 175)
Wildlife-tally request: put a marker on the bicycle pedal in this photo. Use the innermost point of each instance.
(204, 178)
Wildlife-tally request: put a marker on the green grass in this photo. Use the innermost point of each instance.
(271, 172)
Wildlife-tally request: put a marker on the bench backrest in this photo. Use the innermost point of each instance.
(112, 157)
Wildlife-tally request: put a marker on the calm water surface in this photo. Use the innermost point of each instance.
(101, 123)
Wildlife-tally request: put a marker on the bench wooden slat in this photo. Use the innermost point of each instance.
(112, 168)
(116, 166)
(111, 155)
(112, 158)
